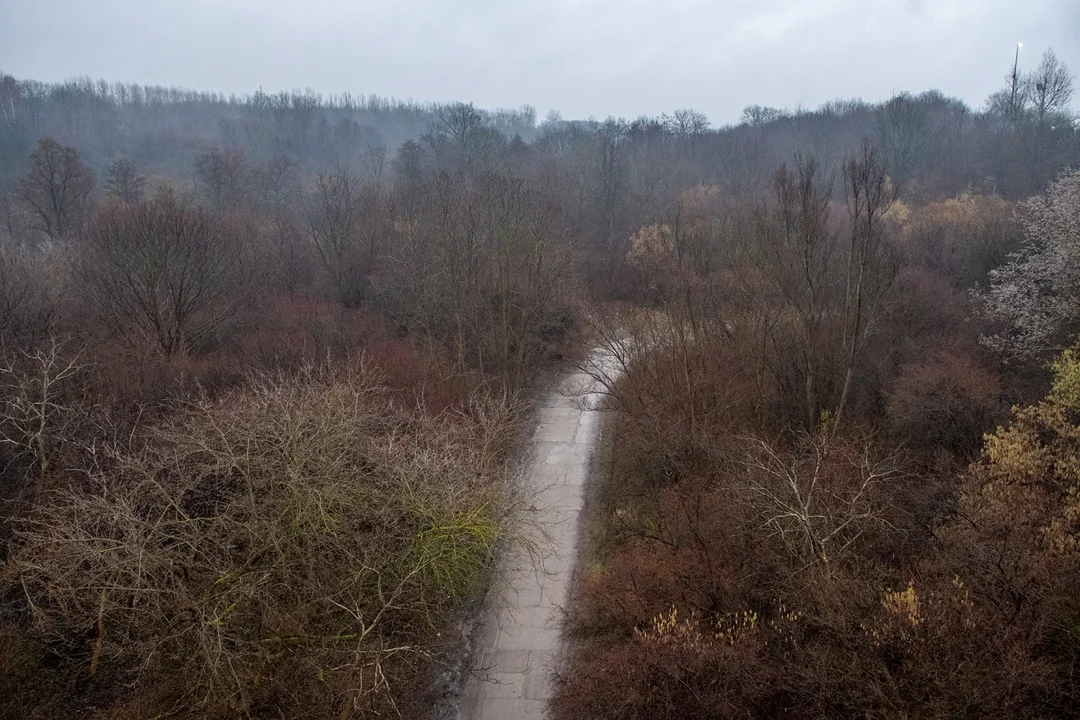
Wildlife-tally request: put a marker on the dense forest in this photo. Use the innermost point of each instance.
(265, 361)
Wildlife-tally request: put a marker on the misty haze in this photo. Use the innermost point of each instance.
(577, 360)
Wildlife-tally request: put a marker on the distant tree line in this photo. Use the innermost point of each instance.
(1023, 136)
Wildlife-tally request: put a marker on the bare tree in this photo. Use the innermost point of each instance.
(125, 183)
(869, 196)
(374, 160)
(25, 306)
(164, 272)
(755, 115)
(9, 100)
(902, 129)
(818, 496)
(610, 181)
(334, 220)
(465, 139)
(794, 252)
(32, 414)
(408, 169)
(459, 122)
(55, 189)
(222, 177)
(1049, 87)
(528, 269)
(276, 181)
(685, 123)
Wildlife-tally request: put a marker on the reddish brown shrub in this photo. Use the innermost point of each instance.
(671, 668)
(946, 402)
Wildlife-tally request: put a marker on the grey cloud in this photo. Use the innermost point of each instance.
(582, 57)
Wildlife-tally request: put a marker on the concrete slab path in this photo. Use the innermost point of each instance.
(520, 642)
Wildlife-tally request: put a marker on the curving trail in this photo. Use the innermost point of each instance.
(520, 639)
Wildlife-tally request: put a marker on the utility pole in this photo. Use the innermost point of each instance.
(1012, 96)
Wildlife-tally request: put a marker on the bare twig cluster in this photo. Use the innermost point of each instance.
(293, 545)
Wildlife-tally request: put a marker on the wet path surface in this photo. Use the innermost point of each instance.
(520, 641)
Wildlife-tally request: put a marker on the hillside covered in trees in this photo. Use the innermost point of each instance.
(265, 360)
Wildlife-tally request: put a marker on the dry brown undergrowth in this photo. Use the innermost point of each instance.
(292, 549)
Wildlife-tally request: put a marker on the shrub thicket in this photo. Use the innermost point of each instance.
(296, 546)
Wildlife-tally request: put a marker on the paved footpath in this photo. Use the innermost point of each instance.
(520, 640)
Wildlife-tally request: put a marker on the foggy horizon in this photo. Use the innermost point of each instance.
(582, 59)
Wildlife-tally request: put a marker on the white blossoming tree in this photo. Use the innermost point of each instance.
(1036, 295)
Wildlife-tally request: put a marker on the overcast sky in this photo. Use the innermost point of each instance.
(581, 57)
